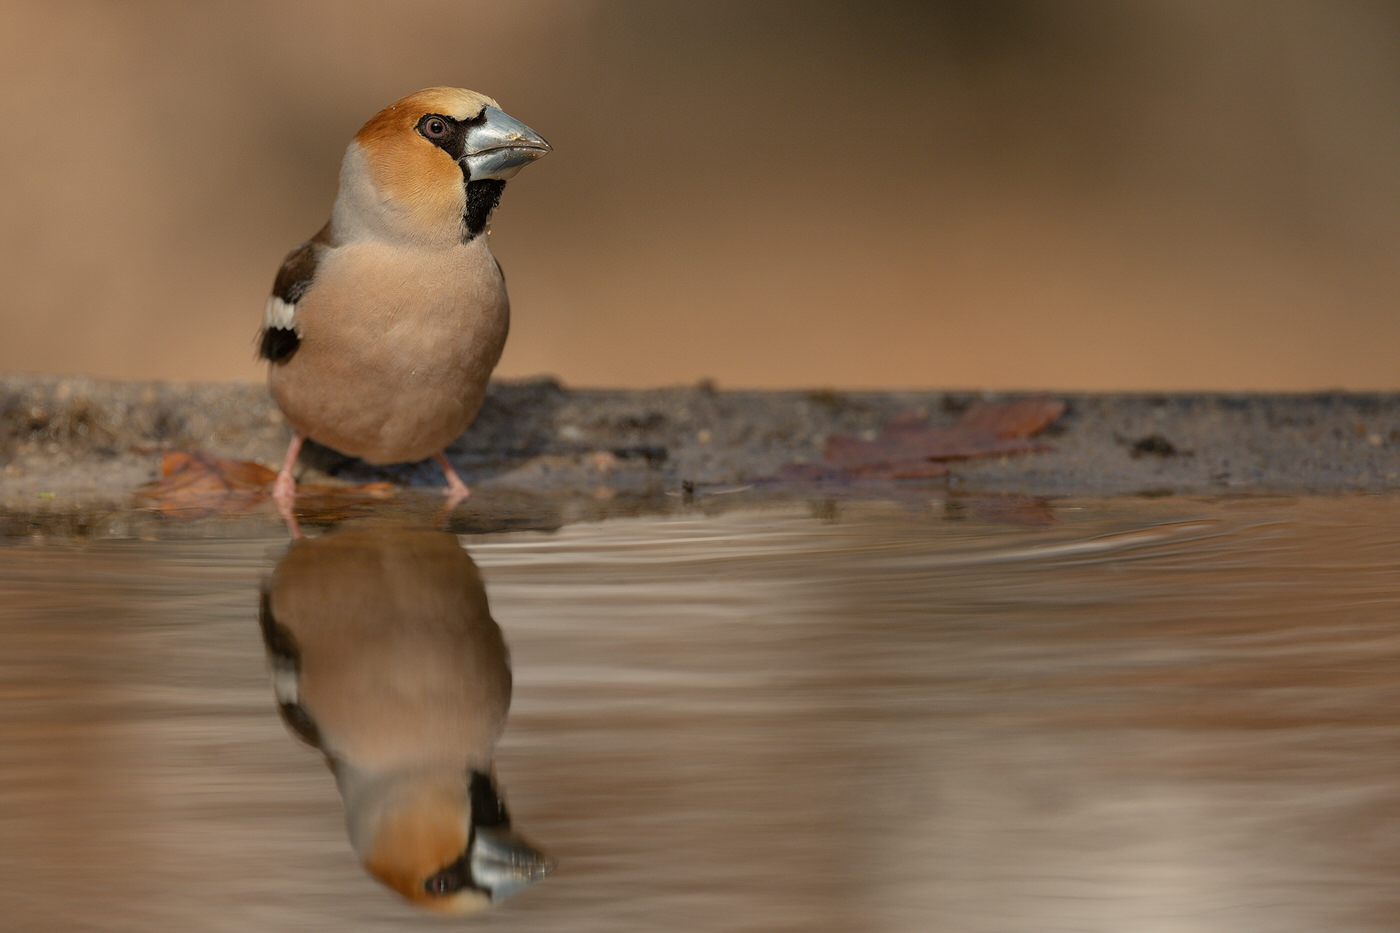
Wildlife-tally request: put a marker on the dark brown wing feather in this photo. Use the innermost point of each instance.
(298, 273)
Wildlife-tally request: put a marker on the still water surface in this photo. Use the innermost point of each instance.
(1166, 715)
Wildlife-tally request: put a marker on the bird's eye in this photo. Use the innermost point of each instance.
(441, 884)
(433, 127)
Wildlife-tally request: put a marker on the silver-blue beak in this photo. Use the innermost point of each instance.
(500, 146)
(504, 863)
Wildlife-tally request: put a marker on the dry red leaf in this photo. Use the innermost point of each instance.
(1024, 417)
(195, 483)
(909, 447)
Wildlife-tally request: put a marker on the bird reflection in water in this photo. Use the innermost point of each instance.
(385, 657)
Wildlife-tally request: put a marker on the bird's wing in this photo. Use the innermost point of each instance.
(284, 656)
(279, 338)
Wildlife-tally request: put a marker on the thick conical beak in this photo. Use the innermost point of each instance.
(500, 146)
(504, 863)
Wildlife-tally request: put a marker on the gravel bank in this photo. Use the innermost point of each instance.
(74, 444)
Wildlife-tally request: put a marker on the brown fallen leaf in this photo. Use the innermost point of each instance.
(195, 483)
(1023, 417)
(909, 447)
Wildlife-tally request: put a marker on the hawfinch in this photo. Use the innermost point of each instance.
(382, 329)
(384, 657)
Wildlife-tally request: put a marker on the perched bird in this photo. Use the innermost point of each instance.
(382, 329)
(385, 657)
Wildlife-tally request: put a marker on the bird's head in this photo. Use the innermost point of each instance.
(444, 842)
(430, 168)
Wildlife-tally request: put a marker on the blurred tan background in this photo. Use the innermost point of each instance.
(1091, 195)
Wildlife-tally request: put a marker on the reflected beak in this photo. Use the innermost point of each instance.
(504, 863)
(500, 146)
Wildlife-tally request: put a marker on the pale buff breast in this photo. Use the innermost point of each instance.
(400, 664)
(397, 346)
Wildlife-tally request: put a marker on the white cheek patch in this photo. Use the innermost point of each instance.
(279, 314)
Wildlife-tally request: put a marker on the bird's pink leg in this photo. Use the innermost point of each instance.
(284, 488)
(456, 490)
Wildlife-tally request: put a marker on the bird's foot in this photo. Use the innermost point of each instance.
(456, 490)
(284, 488)
(453, 497)
(284, 493)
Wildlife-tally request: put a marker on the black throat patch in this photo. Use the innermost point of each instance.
(488, 809)
(482, 198)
